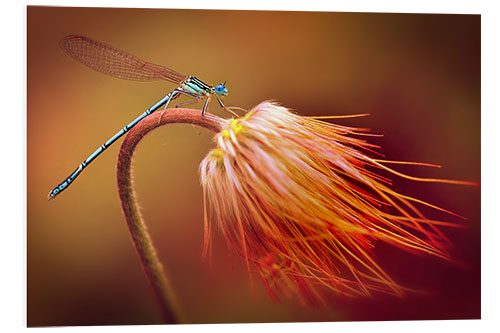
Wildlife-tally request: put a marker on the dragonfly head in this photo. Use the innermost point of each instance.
(220, 89)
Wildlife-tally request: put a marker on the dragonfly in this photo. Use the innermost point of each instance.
(114, 62)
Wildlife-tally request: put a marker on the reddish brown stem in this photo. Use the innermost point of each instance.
(137, 228)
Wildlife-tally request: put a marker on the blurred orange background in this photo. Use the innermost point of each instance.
(417, 75)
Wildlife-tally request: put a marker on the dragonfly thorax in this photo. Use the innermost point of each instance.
(195, 86)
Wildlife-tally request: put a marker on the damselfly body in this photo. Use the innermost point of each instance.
(117, 63)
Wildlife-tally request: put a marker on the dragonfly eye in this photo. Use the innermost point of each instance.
(221, 89)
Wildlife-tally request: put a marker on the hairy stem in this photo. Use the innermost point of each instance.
(137, 228)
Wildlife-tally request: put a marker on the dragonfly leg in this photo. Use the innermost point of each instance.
(189, 102)
(205, 106)
(173, 95)
(228, 108)
(188, 94)
(178, 91)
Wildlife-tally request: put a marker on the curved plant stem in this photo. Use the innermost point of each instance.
(142, 241)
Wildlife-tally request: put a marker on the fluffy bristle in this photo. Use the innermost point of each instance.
(300, 201)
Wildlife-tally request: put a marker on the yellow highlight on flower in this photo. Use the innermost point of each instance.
(234, 126)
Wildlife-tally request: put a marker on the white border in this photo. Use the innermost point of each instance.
(13, 164)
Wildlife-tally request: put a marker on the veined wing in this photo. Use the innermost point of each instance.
(111, 61)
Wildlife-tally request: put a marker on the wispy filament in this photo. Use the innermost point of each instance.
(300, 200)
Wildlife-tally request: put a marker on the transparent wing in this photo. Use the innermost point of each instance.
(108, 60)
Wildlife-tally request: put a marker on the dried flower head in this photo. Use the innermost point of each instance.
(298, 199)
